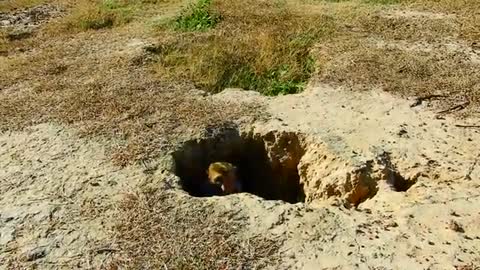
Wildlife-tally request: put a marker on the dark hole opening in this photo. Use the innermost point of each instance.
(400, 184)
(267, 165)
(396, 181)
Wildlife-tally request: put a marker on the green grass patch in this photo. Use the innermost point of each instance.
(197, 17)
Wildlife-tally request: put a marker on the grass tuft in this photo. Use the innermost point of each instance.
(196, 17)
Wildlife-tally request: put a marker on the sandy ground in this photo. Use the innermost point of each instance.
(392, 230)
(52, 186)
(389, 183)
(59, 191)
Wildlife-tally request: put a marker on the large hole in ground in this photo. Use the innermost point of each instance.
(267, 164)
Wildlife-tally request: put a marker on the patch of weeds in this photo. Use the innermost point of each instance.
(214, 64)
(197, 17)
(258, 46)
(284, 87)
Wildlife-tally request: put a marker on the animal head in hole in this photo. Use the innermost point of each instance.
(224, 174)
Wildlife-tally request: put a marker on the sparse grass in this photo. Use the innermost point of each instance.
(383, 2)
(399, 71)
(466, 12)
(143, 115)
(155, 231)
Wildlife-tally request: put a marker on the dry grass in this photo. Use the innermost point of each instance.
(69, 74)
(407, 55)
(146, 118)
(256, 45)
(119, 101)
(468, 15)
(400, 71)
(80, 70)
(156, 231)
(100, 14)
(266, 46)
(8, 5)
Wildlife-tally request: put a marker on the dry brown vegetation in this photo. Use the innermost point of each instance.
(399, 71)
(156, 233)
(81, 70)
(8, 5)
(265, 47)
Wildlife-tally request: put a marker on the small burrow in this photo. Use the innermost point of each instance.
(267, 163)
(399, 183)
(393, 177)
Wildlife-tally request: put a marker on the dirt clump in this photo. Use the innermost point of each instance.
(30, 17)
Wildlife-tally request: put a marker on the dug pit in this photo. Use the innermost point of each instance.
(280, 165)
(267, 163)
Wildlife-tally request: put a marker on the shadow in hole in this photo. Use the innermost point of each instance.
(259, 175)
(393, 177)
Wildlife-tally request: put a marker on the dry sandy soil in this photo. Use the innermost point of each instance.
(100, 157)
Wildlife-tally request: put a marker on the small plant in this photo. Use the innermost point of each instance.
(196, 17)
